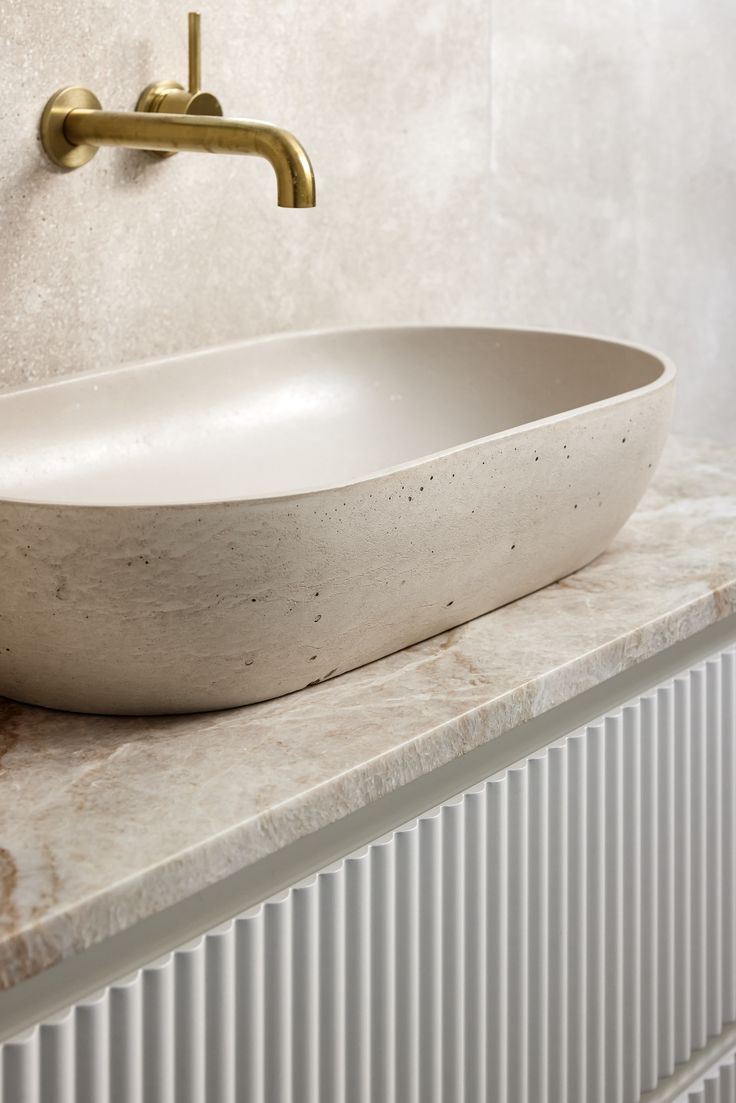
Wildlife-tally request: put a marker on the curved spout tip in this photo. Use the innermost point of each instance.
(294, 172)
(302, 201)
(300, 196)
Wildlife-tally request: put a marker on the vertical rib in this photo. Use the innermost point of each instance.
(92, 1049)
(699, 884)
(497, 935)
(612, 923)
(407, 970)
(649, 879)
(539, 919)
(517, 994)
(158, 1033)
(249, 1079)
(635, 795)
(713, 840)
(305, 1007)
(595, 886)
(666, 836)
(126, 1080)
(430, 949)
(557, 1009)
(219, 1025)
(578, 918)
(331, 978)
(683, 922)
(358, 883)
(453, 949)
(189, 1019)
(475, 924)
(728, 854)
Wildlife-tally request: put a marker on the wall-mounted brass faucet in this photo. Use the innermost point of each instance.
(169, 118)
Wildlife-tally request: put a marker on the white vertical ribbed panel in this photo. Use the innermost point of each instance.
(564, 932)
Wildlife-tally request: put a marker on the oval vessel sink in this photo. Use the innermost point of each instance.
(223, 527)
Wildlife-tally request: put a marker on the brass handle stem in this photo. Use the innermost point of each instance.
(195, 52)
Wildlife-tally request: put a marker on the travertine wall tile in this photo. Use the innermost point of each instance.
(614, 182)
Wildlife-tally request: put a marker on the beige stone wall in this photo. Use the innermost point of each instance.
(614, 181)
(585, 179)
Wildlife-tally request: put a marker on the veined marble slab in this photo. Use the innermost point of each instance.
(107, 820)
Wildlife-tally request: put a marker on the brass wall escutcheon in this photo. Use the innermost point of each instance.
(169, 118)
(53, 137)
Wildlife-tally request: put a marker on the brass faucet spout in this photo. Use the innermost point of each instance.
(169, 133)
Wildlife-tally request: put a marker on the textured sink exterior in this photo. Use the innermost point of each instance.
(395, 483)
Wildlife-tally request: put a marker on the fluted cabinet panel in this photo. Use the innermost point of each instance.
(563, 932)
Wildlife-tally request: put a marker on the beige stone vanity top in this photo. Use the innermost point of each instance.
(107, 820)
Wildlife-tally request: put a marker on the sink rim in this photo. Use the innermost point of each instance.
(666, 376)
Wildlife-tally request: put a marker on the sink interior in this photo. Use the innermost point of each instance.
(288, 414)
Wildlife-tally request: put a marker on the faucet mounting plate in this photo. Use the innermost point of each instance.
(171, 97)
(55, 143)
(153, 94)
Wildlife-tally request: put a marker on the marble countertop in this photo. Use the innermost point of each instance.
(105, 820)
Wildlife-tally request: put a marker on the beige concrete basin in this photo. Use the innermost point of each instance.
(223, 527)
